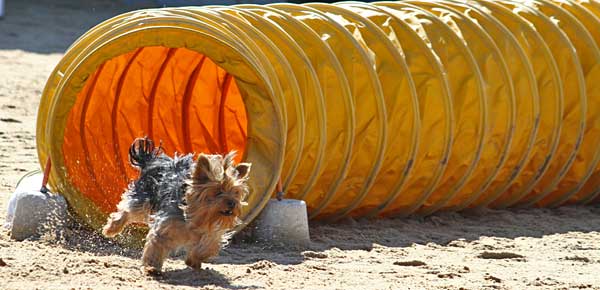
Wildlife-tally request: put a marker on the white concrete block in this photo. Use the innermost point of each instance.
(283, 223)
(32, 213)
(30, 182)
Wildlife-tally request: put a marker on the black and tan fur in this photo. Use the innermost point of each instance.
(187, 204)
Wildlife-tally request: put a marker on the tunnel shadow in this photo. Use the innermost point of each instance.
(451, 227)
(442, 229)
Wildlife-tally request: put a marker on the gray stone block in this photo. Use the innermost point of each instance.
(37, 213)
(283, 223)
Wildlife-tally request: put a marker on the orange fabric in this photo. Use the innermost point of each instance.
(176, 96)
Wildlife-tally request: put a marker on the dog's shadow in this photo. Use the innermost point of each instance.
(194, 278)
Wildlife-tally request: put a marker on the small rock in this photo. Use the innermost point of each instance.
(413, 263)
(448, 275)
(578, 259)
(2, 263)
(10, 120)
(248, 271)
(492, 278)
(311, 254)
(65, 270)
(500, 255)
(460, 243)
(262, 265)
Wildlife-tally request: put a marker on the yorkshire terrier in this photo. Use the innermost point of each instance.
(187, 204)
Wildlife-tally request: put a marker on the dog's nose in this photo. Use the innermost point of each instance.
(231, 203)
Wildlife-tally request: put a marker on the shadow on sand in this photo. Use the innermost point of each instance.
(349, 234)
(193, 278)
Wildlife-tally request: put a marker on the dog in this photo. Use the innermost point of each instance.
(187, 204)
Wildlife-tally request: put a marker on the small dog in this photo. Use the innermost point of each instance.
(187, 204)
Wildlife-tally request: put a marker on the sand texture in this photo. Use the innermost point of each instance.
(516, 249)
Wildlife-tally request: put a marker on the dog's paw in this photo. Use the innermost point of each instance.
(109, 232)
(151, 271)
(194, 264)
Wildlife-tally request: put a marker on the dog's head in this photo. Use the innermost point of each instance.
(217, 192)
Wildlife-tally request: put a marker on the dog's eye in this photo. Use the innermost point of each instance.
(219, 193)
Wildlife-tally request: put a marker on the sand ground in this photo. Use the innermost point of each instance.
(517, 249)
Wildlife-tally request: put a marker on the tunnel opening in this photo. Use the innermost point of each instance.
(176, 96)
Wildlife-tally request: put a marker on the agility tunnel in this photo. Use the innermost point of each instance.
(380, 109)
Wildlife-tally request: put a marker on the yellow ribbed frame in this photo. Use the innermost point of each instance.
(380, 109)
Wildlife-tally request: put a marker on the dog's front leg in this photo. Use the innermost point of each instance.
(162, 238)
(207, 248)
(156, 250)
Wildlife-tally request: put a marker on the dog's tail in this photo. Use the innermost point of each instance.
(141, 151)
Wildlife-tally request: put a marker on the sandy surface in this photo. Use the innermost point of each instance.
(520, 249)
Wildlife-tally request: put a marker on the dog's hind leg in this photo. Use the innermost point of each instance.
(129, 210)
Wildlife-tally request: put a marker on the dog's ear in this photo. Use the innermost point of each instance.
(208, 168)
(228, 160)
(243, 169)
